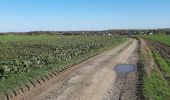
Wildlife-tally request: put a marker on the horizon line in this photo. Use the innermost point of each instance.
(84, 30)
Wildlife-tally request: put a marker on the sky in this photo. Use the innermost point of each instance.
(66, 15)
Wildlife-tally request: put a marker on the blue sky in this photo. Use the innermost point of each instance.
(35, 15)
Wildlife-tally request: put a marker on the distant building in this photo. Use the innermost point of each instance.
(150, 33)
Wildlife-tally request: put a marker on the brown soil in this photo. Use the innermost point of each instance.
(160, 47)
(94, 79)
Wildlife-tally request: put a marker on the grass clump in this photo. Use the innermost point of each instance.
(156, 87)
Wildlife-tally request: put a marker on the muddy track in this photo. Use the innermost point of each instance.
(93, 79)
(162, 48)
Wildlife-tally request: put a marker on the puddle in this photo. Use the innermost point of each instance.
(125, 68)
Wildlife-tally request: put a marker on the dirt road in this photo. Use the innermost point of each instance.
(94, 79)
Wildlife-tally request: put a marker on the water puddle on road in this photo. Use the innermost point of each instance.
(125, 68)
(124, 82)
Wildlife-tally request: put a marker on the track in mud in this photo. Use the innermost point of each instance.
(160, 47)
(93, 79)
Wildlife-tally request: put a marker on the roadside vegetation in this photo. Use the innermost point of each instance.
(162, 45)
(24, 58)
(156, 72)
(157, 83)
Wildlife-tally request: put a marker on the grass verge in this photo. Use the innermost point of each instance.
(155, 85)
(162, 65)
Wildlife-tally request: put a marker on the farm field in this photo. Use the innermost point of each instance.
(24, 59)
(161, 38)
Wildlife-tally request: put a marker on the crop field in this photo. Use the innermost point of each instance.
(161, 38)
(24, 58)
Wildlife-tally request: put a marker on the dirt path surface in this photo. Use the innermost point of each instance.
(94, 79)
